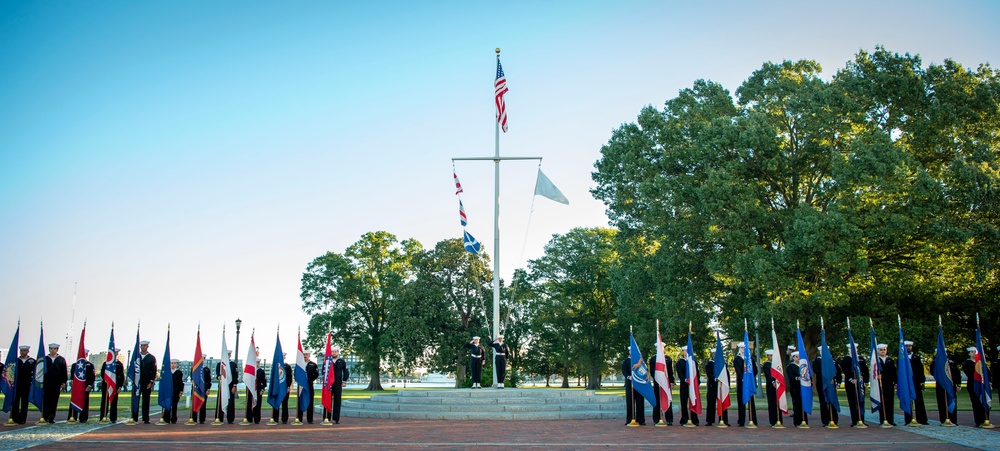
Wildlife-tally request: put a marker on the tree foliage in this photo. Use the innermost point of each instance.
(871, 194)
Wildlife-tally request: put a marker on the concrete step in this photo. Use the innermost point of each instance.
(488, 404)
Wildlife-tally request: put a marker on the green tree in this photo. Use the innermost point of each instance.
(453, 286)
(358, 292)
(865, 195)
(577, 304)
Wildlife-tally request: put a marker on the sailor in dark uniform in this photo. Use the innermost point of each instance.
(261, 381)
(887, 385)
(288, 394)
(794, 374)
(147, 377)
(851, 381)
(340, 375)
(89, 377)
(919, 379)
(178, 386)
(500, 352)
(119, 369)
(206, 375)
(230, 412)
(682, 373)
(24, 375)
(712, 401)
(770, 389)
(668, 412)
(942, 397)
(969, 368)
(634, 407)
(54, 382)
(826, 411)
(312, 373)
(476, 355)
(739, 368)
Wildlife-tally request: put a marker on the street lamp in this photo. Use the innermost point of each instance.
(238, 323)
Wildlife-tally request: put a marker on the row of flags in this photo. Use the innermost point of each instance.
(276, 394)
(906, 391)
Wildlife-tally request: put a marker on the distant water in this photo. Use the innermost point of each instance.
(417, 385)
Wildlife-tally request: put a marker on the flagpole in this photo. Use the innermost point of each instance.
(885, 418)
(496, 158)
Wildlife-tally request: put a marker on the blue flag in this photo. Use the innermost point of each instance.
(749, 379)
(640, 375)
(165, 396)
(856, 367)
(805, 375)
(133, 372)
(828, 373)
(981, 375)
(905, 390)
(278, 388)
(9, 376)
(942, 371)
(470, 243)
(35, 394)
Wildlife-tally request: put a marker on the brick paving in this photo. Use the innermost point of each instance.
(372, 434)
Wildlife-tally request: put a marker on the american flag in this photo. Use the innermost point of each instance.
(501, 89)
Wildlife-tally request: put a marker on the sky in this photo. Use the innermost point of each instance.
(182, 162)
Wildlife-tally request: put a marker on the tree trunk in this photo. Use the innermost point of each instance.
(594, 379)
(565, 378)
(376, 381)
(460, 368)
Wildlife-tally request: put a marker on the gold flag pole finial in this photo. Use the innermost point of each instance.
(848, 322)
(821, 326)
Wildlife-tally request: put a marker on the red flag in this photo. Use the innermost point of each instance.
(329, 377)
(80, 375)
(500, 88)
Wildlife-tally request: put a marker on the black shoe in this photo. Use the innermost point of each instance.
(336, 422)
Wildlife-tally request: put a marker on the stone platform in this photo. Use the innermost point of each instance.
(488, 404)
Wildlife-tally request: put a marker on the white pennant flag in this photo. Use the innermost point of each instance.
(545, 188)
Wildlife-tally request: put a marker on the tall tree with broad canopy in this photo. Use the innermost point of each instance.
(576, 304)
(361, 293)
(453, 287)
(866, 195)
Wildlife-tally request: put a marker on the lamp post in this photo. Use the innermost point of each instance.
(238, 323)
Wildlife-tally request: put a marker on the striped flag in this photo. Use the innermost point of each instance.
(461, 214)
(778, 372)
(329, 376)
(250, 372)
(660, 375)
(500, 86)
(110, 379)
(694, 385)
(721, 375)
(458, 185)
(301, 377)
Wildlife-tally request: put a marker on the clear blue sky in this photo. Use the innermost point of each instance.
(184, 161)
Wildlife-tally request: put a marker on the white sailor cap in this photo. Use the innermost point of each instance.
(791, 347)
(740, 344)
(972, 349)
(204, 356)
(86, 350)
(475, 338)
(769, 351)
(144, 342)
(499, 337)
(908, 343)
(306, 352)
(335, 348)
(54, 345)
(175, 360)
(998, 348)
(882, 346)
(849, 346)
(117, 349)
(24, 347)
(795, 353)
